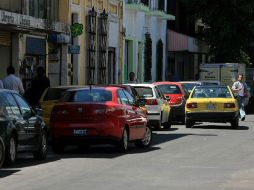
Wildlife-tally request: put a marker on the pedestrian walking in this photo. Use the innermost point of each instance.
(241, 92)
(38, 86)
(132, 78)
(12, 82)
(1, 84)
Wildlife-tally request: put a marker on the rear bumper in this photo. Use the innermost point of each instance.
(222, 117)
(154, 118)
(101, 132)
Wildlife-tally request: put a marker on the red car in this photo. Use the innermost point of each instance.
(177, 96)
(99, 115)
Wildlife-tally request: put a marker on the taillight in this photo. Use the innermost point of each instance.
(152, 102)
(179, 100)
(192, 105)
(229, 105)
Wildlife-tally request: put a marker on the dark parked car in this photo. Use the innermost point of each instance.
(21, 129)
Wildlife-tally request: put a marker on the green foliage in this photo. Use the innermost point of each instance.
(76, 29)
(229, 27)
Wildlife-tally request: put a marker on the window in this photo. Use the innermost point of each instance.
(11, 5)
(11, 106)
(144, 92)
(158, 93)
(130, 98)
(46, 9)
(123, 98)
(169, 89)
(87, 95)
(25, 108)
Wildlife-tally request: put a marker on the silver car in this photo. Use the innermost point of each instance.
(158, 109)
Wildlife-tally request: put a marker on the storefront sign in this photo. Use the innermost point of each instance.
(59, 38)
(35, 46)
(74, 49)
(31, 22)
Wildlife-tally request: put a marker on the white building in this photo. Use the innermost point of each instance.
(145, 23)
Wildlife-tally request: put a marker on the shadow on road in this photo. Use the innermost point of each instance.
(7, 172)
(219, 127)
(162, 138)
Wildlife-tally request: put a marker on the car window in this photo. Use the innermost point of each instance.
(130, 98)
(211, 92)
(24, 106)
(122, 98)
(158, 92)
(190, 86)
(54, 94)
(169, 89)
(144, 92)
(9, 106)
(87, 95)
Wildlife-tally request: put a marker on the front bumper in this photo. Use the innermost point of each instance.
(222, 117)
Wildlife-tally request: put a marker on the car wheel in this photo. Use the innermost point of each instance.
(2, 152)
(123, 146)
(235, 123)
(11, 151)
(57, 147)
(41, 154)
(147, 140)
(189, 123)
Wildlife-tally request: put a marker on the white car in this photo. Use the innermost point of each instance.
(158, 109)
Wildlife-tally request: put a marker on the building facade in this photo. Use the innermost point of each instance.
(185, 49)
(145, 26)
(24, 30)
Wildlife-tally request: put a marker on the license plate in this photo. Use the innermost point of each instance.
(211, 107)
(80, 132)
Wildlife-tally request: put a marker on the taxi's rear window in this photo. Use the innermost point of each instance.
(54, 94)
(211, 92)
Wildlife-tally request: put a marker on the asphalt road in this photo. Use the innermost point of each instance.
(207, 157)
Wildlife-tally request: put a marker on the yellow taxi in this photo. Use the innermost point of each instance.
(212, 104)
(49, 99)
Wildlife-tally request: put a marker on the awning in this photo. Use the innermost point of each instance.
(180, 42)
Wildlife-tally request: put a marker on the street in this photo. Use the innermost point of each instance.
(205, 157)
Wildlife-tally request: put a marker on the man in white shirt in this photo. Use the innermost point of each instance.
(240, 89)
(1, 84)
(12, 82)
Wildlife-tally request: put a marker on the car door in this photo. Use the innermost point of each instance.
(130, 113)
(15, 116)
(32, 127)
(164, 105)
(139, 119)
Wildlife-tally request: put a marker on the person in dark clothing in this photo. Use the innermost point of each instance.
(38, 86)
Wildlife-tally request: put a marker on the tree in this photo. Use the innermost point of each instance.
(229, 27)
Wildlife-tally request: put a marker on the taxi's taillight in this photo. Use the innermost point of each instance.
(229, 105)
(192, 105)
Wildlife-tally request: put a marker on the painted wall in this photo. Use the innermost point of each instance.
(137, 23)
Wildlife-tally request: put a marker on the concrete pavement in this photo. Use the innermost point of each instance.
(206, 157)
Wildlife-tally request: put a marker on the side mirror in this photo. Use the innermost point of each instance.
(141, 102)
(168, 98)
(38, 111)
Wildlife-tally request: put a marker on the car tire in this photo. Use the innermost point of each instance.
(124, 143)
(41, 154)
(58, 147)
(147, 140)
(11, 151)
(189, 123)
(2, 152)
(235, 123)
